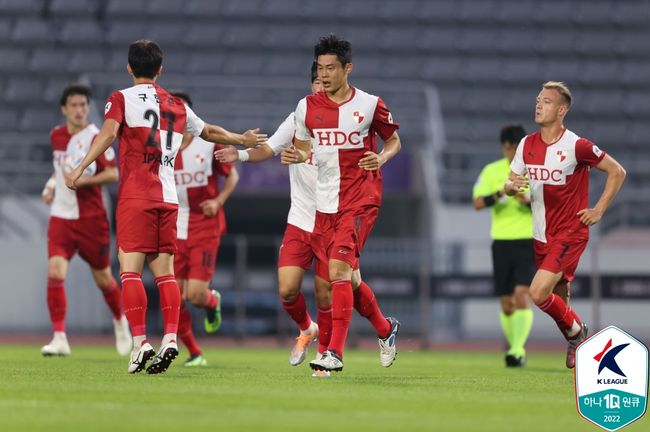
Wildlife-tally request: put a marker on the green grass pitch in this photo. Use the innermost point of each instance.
(257, 390)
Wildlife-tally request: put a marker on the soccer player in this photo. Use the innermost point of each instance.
(556, 162)
(343, 122)
(513, 260)
(150, 123)
(78, 221)
(201, 223)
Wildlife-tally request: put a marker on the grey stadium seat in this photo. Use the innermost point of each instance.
(5, 29)
(73, 7)
(595, 42)
(203, 35)
(21, 7)
(39, 119)
(81, 32)
(168, 35)
(23, 91)
(49, 60)
(635, 73)
(13, 59)
(127, 8)
(8, 118)
(605, 71)
(53, 90)
(32, 30)
(205, 8)
(594, 13)
(87, 60)
(122, 33)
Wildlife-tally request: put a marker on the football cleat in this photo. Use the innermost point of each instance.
(164, 358)
(58, 346)
(299, 350)
(196, 361)
(329, 361)
(387, 346)
(213, 316)
(515, 361)
(573, 345)
(123, 341)
(139, 357)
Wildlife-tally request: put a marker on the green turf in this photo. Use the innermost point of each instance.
(257, 390)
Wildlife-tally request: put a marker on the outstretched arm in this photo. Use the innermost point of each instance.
(219, 135)
(615, 178)
(257, 154)
(100, 144)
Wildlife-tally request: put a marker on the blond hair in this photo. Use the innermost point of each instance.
(561, 88)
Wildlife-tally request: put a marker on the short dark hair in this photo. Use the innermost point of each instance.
(512, 133)
(314, 72)
(332, 44)
(182, 95)
(145, 58)
(72, 89)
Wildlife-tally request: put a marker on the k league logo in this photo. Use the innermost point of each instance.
(611, 378)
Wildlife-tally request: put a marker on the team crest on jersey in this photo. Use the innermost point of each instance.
(200, 158)
(107, 107)
(596, 151)
(561, 155)
(358, 116)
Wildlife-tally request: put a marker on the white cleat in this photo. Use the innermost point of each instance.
(299, 350)
(164, 358)
(329, 361)
(387, 346)
(58, 346)
(123, 341)
(139, 357)
(321, 374)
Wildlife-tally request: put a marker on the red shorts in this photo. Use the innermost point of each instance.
(197, 260)
(560, 256)
(342, 236)
(88, 236)
(296, 249)
(146, 226)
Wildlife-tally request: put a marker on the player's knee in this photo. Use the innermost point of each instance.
(288, 292)
(55, 272)
(538, 296)
(103, 280)
(507, 305)
(195, 297)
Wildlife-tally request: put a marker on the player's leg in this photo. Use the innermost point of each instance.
(523, 262)
(185, 330)
(57, 268)
(162, 267)
(61, 247)
(134, 299)
(202, 262)
(108, 286)
(503, 289)
(294, 304)
(386, 328)
(323, 292)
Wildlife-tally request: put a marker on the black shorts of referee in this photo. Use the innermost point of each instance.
(513, 263)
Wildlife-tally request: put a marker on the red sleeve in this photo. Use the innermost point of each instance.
(114, 108)
(588, 153)
(382, 121)
(106, 160)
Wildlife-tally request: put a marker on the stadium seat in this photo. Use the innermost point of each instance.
(637, 104)
(483, 70)
(172, 9)
(205, 8)
(441, 11)
(631, 13)
(242, 36)
(399, 39)
(285, 9)
(603, 102)
(48, 60)
(122, 33)
(81, 32)
(559, 13)
(242, 9)
(402, 11)
(33, 31)
(595, 42)
(8, 118)
(556, 43)
(23, 91)
(21, 7)
(439, 40)
(168, 35)
(515, 41)
(442, 69)
(86, 60)
(5, 30)
(13, 59)
(518, 70)
(601, 72)
(207, 63)
(54, 88)
(39, 119)
(85, 8)
(596, 14)
(634, 44)
(558, 69)
(635, 73)
(203, 35)
(478, 11)
(127, 8)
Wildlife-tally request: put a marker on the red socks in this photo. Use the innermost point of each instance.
(297, 310)
(324, 320)
(134, 298)
(111, 295)
(170, 302)
(563, 315)
(366, 304)
(185, 332)
(342, 305)
(56, 303)
(211, 302)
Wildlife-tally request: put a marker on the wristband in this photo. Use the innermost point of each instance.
(49, 186)
(243, 155)
(489, 200)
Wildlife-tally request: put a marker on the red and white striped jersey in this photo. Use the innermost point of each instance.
(302, 178)
(68, 151)
(196, 174)
(340, 135)
(559, 182)
(152, 126)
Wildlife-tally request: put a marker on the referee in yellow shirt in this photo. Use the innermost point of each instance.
(513, 259)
